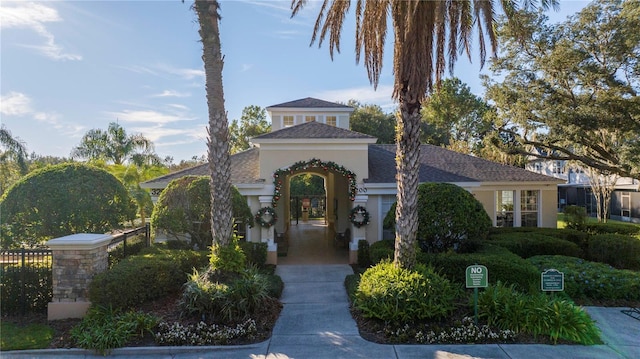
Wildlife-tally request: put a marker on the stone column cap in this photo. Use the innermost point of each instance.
(80, 241)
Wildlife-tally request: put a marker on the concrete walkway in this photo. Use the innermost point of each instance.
(316, 323)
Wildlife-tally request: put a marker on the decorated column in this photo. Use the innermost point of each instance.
(359, 218)
(265, 218)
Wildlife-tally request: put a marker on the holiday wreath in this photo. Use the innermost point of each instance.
(359, 216)
(260, 217)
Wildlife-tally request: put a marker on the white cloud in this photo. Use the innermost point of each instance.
(177, 106)
(246, 67)
(186, 135)
(34, 16)
(172, 93)
(365, 95)
(148, 116)
(187, 74)
(15, 104)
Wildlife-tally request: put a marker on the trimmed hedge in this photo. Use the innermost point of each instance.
(613, 227)
(593, 281)
(255, 253)
(501, 264)
(38, 289)
(138, 279)
(617, 250)
(532, 244)
(382, 250)
(571, 235)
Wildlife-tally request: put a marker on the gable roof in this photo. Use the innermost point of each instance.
(310, 102)
(439, 164)
(245, 168)
(313, 130)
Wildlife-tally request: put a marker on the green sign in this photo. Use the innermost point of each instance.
(477, 276)
(552, 281)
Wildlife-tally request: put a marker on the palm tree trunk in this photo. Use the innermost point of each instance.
(218, 131)
(407, 167)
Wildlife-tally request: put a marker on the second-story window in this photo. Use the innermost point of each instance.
(558, 167)
(331, 120)
(309, 118)
(287, 121)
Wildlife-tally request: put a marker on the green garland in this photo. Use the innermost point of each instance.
(353, 215)
(280, 174)
(260, 217)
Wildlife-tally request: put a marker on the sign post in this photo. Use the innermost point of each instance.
(477, 276)
(552, 280)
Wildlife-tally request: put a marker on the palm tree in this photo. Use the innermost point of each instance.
(218, 131)
(114, 145)
(13, 153)
(428, 35)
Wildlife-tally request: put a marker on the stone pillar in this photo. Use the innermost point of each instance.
(266, 234)
(76, 259)
(357, 233)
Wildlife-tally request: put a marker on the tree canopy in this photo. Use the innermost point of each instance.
(371, 120)
(115, 146)
(61, 200)
(571, 89)
(253, 122)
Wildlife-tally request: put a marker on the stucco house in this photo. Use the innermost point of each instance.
(312, 136)
(575, 188)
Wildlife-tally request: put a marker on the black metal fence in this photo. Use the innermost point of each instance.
(128, 242)
(25, 280)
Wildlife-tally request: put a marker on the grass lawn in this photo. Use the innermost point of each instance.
(32, 336)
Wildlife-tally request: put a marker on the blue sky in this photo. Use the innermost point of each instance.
(70, 66)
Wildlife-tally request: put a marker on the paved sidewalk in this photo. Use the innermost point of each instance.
(316, 323)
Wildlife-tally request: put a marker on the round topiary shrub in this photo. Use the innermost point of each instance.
(184, 207)
(60, 200)
(391, 293)
(449, 218)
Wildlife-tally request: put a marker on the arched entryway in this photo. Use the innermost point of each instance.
(311, 238)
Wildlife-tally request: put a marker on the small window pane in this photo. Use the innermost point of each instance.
(504, 208)
(309, 118)
(287, 120)
(331, 120)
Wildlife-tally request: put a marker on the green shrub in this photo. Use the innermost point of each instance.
(617, 250)
(225, 297)
(31, 285)
(613, 227)
(382, 250)
(571, 235)
(145, 277)
(184, 207)
(255, 253)
(449, 218)
(591, 281)
(103, 329)
(134, 246)
(351, 283)
(531, 244)
(229, 258)
(576, 217)
(56, 201)
(501, 264)
(537, 314)
(364, 256)
(391, 293)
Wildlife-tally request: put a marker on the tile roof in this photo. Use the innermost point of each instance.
(310, 102)
(245, 168)
(313, 129)
(438, 164)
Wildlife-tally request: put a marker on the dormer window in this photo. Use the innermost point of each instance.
(331, 120)
(309, 118)
(287, 121)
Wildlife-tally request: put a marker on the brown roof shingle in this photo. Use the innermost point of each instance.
(309, 102)
(315, 130)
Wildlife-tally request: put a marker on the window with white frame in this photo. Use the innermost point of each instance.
(287, 121)
(385, 205)
(558, 167)
(331, 120)
(504, 208)
(309, 118)
(529, 208)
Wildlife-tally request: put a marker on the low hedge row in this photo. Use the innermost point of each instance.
(591, 281)
(617, 250)
(533, 244)
(613, 228)
(502, 266)
(145, 277)
(571, 235)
